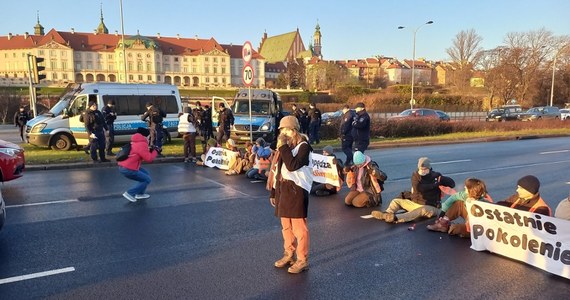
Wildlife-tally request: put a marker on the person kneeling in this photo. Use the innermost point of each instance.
(362, 179)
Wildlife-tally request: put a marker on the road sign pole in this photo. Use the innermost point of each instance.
(250, 119)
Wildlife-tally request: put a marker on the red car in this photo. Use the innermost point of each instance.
(12, 161)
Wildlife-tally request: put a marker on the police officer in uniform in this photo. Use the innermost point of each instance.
(346, 133)
(314, 124)
(96, 127)
(110, 116)
(154, 117)
(361, 128)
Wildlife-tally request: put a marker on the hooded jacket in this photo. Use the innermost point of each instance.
(425, 189)
(139, 152)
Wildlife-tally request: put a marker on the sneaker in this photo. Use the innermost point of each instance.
(441, 225)
(298, 267)
(142, 196)
(129, 197)
(285, 260)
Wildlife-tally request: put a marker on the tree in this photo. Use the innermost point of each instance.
(465, 53)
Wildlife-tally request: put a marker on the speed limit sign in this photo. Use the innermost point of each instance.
(247, 75)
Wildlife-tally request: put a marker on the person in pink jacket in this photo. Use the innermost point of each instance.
(131, 167)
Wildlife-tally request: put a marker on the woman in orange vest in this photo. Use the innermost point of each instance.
(527, 197)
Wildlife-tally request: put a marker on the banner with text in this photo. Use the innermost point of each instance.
(538, 240)
(219, 158)
(324, 169)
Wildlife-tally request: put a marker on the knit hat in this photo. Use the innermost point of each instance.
(424, 162)
(212, 142)
(529, 183)
(328, 149)
(290, 122)
(360, 104)
(358, 158)
(144, 131)
(260, 141)
(231, 142)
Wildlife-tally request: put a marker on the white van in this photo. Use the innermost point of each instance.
(61, 129)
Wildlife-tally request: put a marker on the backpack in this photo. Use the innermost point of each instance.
(124, 152)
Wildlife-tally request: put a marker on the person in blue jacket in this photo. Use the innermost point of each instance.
(361, 128)
(262, 153)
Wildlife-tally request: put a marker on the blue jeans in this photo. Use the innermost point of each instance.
(141, 176)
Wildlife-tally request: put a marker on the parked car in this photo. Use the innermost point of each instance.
(505, 113)
(443, 116)
(416, 113)
(329, 117)
(12, 161)
(2, 211)
(541, 113)
(564, 114)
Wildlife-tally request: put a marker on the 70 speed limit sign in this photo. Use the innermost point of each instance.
(247, 75)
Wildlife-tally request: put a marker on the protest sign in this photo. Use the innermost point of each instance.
(219, 158)
(323, 168)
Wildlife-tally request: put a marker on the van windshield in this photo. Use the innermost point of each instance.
(64, 101)
(258, 107)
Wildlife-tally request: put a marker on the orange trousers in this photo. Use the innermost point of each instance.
(296, 236)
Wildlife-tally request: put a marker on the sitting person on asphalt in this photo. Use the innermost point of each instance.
(454, 207)
(234, 166)
(362, 179)
(563, 209)
(211, 143)
(131, 167)
(262, 160)
(424, 199)
(527, 197)
(325, 189)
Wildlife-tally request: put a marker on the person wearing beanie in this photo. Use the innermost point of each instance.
(363, 180)
(314, 124)
(290, 182)
(423, 200)
(346, 133)
(361, 128)
(131, 167)
(527, 197)
(261, 159)
(187, 128)
(154, 117)
(325, 189)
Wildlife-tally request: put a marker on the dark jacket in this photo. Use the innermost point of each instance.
(291, 200)
(198, 113)
(525, 205)
(314, 115)
(207, 119)
(153, 115)
(94, 121)
(426, 188)
(110, 114)
(346, 124)
(361, 126)
(21, 118)
(225, 119)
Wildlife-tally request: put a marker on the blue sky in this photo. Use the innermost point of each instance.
(350, 29)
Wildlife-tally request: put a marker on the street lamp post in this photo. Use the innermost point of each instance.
(553, 72)
(412, 101)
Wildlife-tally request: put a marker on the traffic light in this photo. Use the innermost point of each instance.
(37, 66)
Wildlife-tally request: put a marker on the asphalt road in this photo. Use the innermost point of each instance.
(204, 235)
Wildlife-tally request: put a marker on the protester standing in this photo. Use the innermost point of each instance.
(346, 133)
(131, 167)
(95, 126)
(314, 124)
(110, 115)
(21, 118)
(225, 122)
(290, 194)
(187, 127)
(361, 128)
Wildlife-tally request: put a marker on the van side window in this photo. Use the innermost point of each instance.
(136, 105)
(78, 106)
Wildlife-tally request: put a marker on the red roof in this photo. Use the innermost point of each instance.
(235, 51)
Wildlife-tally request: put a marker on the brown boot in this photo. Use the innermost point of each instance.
(441, 225)
(285, 260)
(298, 267)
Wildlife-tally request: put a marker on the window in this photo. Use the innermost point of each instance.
(110, 56)
(54, 76)
(193, 59)
(78, 66)
(140, 66)
(130, 66)
(89, 66)
(223, 59)
(53, 64)
(78, 106)
(135, 104)
(40, 52)
(148, 67)
(140, 78)
(215, 79)
(215, 70)
(158, 78)
(64, 65)
(176, 59)
(149, 77)
(139, 55)
(185, 69)
(206, 70)
(131, 78)
(64, 76)
(215, 59)
(193, 69)
(185, 59)
(207, 79)
(223, 70)
(111, 67)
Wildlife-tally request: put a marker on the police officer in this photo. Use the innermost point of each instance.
(95, 126)
(361, 128)
(346, 133)
(154, 117)
(21, 117)
(314, 124)
(110, 116)
(225, 121)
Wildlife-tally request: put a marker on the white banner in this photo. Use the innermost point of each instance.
(219, 158)
(324, 169)
(538, 240)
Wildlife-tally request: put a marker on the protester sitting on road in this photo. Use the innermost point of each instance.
(424, 198)
(325, 189)
(131, 167)
(454, 207)
(289, 195)
(235, 161)
(362, 179)
(527, 197)
(563, 209)
(262, 160)
(211, 143)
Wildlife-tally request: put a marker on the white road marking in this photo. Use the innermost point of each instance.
(225, 186)
(450, 162)
(554, 152)
(367, 217)
(257, 181)
(43, 203)
(36, 275)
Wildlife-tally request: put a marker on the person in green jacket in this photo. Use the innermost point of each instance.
(454, 207)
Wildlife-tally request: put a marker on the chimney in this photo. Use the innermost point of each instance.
(26, 35)
(196, 37)
(116, 33)
(72, 30)
(9, 36)
(177, 36)
(158, 35)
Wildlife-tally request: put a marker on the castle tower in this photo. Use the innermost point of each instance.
(102, 28)
(317, 42)
(39, 29)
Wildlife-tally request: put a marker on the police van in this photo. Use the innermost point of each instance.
(61, 129)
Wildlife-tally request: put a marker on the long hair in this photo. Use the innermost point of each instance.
(475, 187)
(297, 138)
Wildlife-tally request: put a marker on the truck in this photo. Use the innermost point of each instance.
(61, 129)
(261, 121)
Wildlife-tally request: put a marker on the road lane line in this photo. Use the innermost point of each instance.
(225, 186)
(36, 275)
(450, 162)
(554, 152)
(42, 203)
